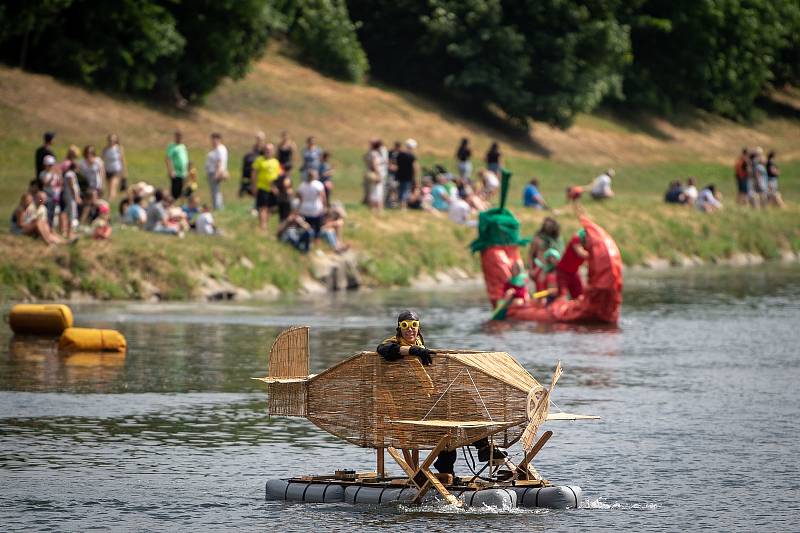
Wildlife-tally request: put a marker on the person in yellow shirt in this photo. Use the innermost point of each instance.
(266, 170)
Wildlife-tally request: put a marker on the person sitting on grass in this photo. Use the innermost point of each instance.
(674, 194)
(461, 212)
(332, 230)
(440, 194)
(296, 231)
(575, 253)
(34, 222)
(135, 215)
(531, 197)
(708, 200)
(89, 208)
(101, 226)
(24, 210)
(191, 208)
(204, 225)
(157, 218)
(601, 186)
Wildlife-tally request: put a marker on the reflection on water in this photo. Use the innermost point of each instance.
(36, 361)
(696, 387)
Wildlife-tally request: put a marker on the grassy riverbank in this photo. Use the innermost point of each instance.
(391, 248)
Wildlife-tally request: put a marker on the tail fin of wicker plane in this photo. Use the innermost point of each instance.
(288, 372)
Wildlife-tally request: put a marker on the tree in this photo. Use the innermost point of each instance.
(326, 38)
(223, 38)
(545, 59)
(138, 46)
(721, 54)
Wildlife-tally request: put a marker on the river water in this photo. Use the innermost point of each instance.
(698, 390)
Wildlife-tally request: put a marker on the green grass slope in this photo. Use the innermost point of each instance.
(392, 247)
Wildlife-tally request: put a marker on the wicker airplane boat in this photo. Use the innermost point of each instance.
(402, 407)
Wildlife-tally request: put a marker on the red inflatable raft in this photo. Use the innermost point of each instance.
(602, 296)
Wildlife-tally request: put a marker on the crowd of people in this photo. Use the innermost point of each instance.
(76, 192)
(72, 197)
(394, 179)
(756, 178)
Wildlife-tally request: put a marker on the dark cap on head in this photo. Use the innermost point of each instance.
(408, 314)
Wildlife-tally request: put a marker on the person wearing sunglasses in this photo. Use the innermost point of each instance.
(407, 340)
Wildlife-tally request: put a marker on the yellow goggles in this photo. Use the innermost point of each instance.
(406, 324)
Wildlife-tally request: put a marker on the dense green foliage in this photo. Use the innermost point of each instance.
(547, 60)
(326, 39)
(718, 55)
(140, 46)
(543, 59)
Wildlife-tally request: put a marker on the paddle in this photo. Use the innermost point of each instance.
(500, 310)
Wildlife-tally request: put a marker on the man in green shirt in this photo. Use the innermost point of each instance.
(266, 170)
(177, 164)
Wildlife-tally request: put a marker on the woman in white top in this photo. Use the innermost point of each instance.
(216, 169)
(312, 201)
(114, 161)
(374, 177)
(690, 192)
(707, 201)
(92, 169)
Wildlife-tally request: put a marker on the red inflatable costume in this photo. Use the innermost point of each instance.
(602, 295)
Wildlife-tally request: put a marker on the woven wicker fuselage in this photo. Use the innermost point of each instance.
(374, 403)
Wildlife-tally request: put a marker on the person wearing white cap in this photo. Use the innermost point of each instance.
(601, 186)
(407, 171)
(51, 182)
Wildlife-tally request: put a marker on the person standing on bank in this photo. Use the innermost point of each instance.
(463, 155)
(407, 172)
(177, 164)
(266, 170)
(312, 156)
(408, 340)
(494, 158)
(116, 168)
(246, 185)
(286, 150)
(43, 151)
(216, 169)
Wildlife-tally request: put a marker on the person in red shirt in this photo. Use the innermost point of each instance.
(567, 270)
(742, 174)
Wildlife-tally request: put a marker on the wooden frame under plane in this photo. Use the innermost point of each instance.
(421, 477)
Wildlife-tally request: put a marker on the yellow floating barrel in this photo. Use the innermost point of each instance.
(40, 319)
(92, 340)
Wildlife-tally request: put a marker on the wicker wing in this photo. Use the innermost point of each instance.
(374, 403)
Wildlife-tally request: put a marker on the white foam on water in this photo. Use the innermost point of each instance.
(440, 507)
(599, 503)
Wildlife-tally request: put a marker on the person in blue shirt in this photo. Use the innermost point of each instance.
(532, 197)
(441, 196)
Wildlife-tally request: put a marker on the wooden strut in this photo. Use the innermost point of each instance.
(379, 460)
(524, 469)
(421, 477)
